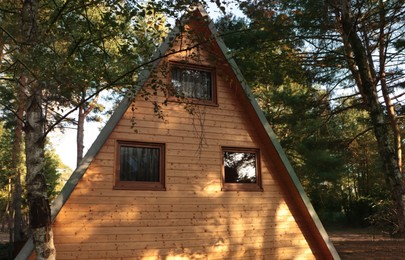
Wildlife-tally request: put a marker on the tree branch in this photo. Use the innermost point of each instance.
(358, 135)
(118, 79)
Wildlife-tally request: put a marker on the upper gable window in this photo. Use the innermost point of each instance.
(140, 166)
(241, 169)
(193, 82)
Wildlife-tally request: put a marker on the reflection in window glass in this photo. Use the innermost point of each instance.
(240, 167)
(192, 83)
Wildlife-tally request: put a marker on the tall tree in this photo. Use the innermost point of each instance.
(147, 31)
(352, 43)
(38, 201)
(13, 91)
(18, 225)
(298, 110)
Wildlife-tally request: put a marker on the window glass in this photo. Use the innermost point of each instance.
(139, 166)
(240, 167)
(192, 83)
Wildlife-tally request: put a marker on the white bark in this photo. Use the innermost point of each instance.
(39, 209)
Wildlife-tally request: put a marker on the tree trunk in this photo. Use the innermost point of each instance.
(368, 88)
(16, 164)
(80, 135)
(83, 113)
(39, 209)
(383, 81)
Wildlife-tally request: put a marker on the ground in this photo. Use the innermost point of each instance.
(355, 244)
(367, 244)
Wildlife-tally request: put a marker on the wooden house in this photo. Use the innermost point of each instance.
(187, 168)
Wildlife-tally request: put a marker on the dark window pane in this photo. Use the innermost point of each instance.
(240, 167)
(139, 164)
(191, 83)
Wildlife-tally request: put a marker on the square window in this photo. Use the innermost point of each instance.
(193, 82)
(241, 169)
(140, 166)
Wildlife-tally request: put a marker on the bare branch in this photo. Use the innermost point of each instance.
(358, 135)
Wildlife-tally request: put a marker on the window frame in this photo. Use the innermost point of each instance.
(140, 185)
(182, 65)
(227, 186)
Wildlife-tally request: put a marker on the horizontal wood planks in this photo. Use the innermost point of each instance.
(192, 218)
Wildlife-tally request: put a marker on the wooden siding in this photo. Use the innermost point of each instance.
(193, 218)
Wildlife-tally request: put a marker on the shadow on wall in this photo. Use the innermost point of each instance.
(193, 219)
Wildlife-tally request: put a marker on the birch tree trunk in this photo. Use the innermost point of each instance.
(367, 85)
(39, 209)
(16, 161)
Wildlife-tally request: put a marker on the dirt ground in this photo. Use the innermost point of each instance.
(367, 244)
(357, 244)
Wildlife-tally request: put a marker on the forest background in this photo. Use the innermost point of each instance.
(301, 59)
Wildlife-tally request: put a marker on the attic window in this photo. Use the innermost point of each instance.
(241, 169)
(193, 82)
(140, 166)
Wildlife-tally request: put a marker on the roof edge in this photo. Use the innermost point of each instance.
(77, 174)
(74, 179)
(274, 140)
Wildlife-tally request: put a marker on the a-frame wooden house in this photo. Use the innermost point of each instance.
(208, 181)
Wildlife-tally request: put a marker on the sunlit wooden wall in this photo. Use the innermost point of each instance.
(193, 218)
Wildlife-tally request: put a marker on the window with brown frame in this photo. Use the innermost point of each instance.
(241, 169)
(196, 83)
(140, 166)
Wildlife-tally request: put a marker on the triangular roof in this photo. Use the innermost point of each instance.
(321, 237)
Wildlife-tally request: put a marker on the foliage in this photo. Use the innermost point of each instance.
(54, 169)
(383, 216)
(6, 141)
(83, 48)
(5, 171)
(327, 134)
